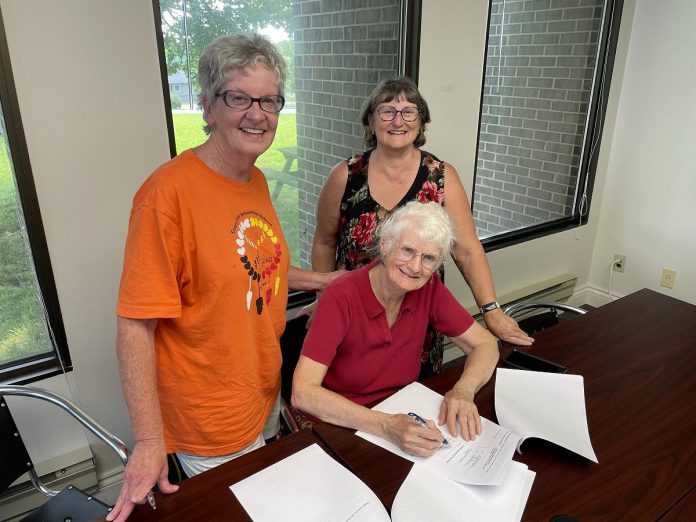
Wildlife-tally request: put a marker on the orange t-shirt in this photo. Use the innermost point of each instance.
(207, 257)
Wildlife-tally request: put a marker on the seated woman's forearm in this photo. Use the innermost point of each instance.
(482, 353)
(398, 429)
(458, 409)
(331, 407)
(479, 367)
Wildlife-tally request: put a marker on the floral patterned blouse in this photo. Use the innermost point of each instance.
(360, 215)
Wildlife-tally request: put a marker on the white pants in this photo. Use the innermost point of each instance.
(194, 465)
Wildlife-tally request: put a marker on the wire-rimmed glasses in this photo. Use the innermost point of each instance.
(239, 101)
(388, 113)
(406, 254)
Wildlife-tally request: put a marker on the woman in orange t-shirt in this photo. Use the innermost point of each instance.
(205, 282)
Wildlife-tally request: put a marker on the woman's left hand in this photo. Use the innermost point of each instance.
(458, 408)
(506, 328)
(308, 310)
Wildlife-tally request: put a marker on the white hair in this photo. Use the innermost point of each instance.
(428, 220)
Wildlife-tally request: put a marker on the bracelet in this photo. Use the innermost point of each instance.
(489, 307)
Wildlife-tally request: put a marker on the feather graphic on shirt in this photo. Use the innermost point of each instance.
(260, 253)
(249, 294)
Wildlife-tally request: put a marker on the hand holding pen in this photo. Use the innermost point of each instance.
(151, 499)
(146, 467)
(422, 422)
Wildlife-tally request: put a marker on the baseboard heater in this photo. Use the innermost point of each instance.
(76, 467)
(556, 289)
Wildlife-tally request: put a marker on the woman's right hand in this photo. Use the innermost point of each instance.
(146, 466)
(411, 437)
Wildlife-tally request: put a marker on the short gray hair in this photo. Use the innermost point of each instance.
(235, 53)
(390, 90)
(429, 220)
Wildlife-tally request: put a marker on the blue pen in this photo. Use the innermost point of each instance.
(420, 420)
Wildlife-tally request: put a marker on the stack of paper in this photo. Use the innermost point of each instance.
(549, 406)
(308, 486)
(483, 461)
(311, 486)
(425, 495)
(463, 480)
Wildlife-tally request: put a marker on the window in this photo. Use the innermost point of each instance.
(336, 53)
(546, 79)
(32, 339)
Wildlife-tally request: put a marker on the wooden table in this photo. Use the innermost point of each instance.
(637, 356)
(638, 359)
(207, 496)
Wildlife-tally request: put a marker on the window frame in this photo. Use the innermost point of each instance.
(35, 367)
(593, 136)
(409, 54)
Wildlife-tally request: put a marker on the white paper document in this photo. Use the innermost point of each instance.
(308, 486)
(426, 495)
(483, 461)
(549, 406)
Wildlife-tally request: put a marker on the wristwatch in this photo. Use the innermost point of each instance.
(489, 307)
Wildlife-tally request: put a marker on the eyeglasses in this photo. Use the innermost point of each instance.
(240, 102)
(388, 113)
(406, 254)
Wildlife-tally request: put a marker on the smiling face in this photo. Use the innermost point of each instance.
(246, 133)
(397, 133)
(404, 259)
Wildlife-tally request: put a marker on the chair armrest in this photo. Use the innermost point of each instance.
(518, 307)
(88, 422)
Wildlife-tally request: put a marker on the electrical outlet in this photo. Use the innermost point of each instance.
(619, 264)
(668, 277)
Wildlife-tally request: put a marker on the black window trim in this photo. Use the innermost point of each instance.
(32, 368)
(157, 15)
(588, 167)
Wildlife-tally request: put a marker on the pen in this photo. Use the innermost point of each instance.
(420, 420)
(151, 499)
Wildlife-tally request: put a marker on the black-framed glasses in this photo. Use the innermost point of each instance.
(239, 101)
(388, 113)
(406, 254)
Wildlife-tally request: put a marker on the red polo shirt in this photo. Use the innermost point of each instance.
(366, 359)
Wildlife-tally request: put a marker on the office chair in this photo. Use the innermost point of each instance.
(291, 347)
(70, 503)
(539, 322)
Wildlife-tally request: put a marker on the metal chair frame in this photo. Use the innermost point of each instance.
(88, 422)
(527, 305)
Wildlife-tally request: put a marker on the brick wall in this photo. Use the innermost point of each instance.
(534, 110)
(343, 48)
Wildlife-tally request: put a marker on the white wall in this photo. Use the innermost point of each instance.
(90, 95)
(649, 205)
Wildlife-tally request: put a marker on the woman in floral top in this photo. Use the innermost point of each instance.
(362, 191)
